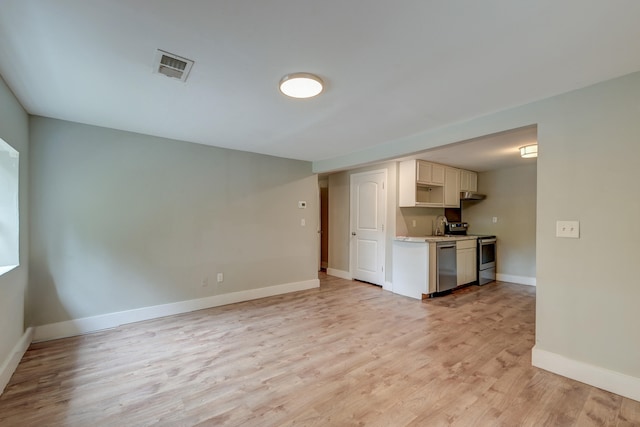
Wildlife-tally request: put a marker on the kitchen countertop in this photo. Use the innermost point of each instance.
(421, 239)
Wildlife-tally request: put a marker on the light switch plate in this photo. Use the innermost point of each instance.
(570, 229)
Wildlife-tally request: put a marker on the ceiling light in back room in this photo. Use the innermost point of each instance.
(529, 151)
(301, 85)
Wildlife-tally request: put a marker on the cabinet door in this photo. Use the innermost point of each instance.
(467, 266)
(407, 189)
(430, 173)
(460, 263)
(473, 181)
(424, 172)
(466, 259)
(468, 181)
(471, 266)
(464, 180)
(452, 188)
(437, 174)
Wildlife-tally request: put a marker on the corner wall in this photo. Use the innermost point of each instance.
(14, 129)
(587, 288)
(124, 221)
(339, 189)
(511, 197)
(339, 218)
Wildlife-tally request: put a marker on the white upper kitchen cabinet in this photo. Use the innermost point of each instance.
(468, 181)
(452, 188)
(416, 185)
(430, 173)
(428, 184)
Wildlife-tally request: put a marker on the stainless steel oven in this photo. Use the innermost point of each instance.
(486, 259)
(486, 251)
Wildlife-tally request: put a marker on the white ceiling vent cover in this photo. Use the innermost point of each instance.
(171, 65)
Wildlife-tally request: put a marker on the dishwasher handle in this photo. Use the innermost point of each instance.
(446, 245)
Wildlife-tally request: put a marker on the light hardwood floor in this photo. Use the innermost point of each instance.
(346, 354)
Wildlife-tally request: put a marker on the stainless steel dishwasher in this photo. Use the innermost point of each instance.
(447, 272)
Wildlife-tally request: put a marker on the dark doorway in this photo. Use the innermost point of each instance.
(324, 228)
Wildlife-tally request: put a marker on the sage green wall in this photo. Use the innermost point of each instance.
(14, 129)
(123, 221)
(511, 197)
(339, 219)
(587, 288)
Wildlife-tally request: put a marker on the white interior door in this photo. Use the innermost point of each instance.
(368, 208)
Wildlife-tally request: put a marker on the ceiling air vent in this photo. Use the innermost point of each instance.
(171, 65)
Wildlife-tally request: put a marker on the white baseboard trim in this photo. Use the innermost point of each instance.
(615, 382)
(10, 364)
(521, 280)
(85, 325)
(339, 273)
(388, 286)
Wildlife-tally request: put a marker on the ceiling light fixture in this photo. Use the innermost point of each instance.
(301, 85)
(529, 151)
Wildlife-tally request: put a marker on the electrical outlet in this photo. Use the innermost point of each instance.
(413, 223)
(220, 277)
(570, 229)
(303, 222)
(494, 219)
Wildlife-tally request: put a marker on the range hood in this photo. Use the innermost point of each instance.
(470, 195)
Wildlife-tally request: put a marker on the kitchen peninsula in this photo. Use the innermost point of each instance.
(416, 269)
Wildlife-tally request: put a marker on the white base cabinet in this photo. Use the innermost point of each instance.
(466, 261)
(410, 269)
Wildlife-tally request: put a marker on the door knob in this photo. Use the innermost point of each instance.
(353, 233)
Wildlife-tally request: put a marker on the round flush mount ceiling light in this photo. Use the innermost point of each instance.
(529, 151)
(301, 85)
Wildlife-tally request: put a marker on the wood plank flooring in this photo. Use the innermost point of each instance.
(346, 354)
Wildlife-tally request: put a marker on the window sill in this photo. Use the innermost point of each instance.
(6, 269)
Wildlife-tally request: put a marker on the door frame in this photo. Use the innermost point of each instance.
(383, 274)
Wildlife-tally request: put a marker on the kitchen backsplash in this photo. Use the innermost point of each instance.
(453, 214)
(423, 218)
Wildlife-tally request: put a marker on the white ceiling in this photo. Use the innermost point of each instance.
(392, 69)
(485, 153)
